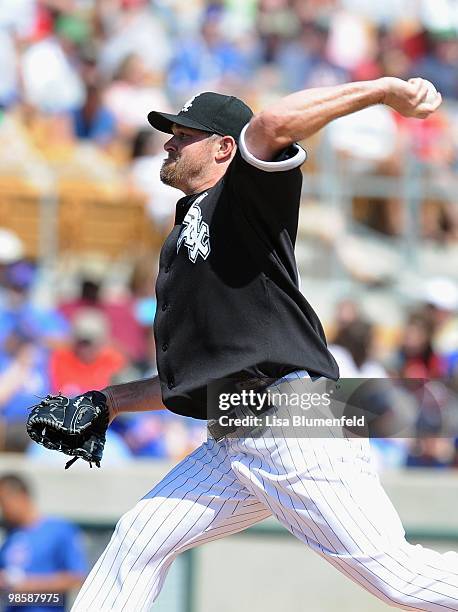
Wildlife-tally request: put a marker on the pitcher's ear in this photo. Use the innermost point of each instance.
(227, 146)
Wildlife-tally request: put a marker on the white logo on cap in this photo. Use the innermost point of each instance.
(188, 104)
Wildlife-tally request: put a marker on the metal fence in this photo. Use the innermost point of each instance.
(335, 183)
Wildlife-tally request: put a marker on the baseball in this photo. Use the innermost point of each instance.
(432, 92)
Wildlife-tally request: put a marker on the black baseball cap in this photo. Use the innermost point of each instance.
(208, 111)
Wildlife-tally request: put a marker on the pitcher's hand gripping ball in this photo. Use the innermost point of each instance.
(74, 426)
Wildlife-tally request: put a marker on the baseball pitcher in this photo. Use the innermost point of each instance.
(228, 304)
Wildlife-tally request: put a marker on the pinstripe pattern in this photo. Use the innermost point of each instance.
(324, 491)
(199, 500)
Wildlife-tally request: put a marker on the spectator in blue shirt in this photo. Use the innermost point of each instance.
(24, 379)
(19, 310)
(40, 554)
(207, 60)
(93, 120)
(303, 62)
(23, 375)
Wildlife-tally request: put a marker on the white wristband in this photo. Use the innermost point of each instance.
(271, 166)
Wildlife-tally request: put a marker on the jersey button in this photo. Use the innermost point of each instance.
(171, 383)
(164, 307)
(165, 346)
(167, 269)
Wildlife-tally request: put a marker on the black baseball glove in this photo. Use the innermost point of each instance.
(75, 426)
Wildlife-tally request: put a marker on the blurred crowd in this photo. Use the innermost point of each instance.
(78, 78)
(416, 410)
(81, 75)
(96, 337)
(86, 341)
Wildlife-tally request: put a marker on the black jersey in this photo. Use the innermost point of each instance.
(228, 300)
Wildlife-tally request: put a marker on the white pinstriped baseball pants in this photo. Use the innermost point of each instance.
(324, 491)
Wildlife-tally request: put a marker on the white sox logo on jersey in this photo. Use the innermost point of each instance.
(195, 233)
